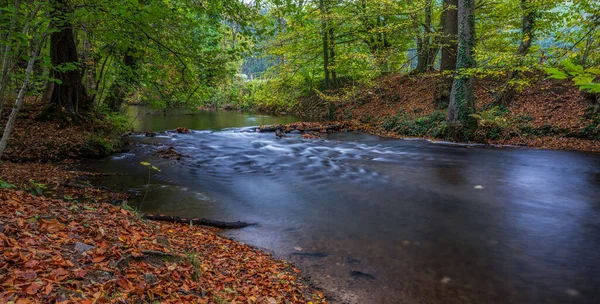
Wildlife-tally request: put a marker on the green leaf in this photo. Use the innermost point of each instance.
(595, 71)
(572, 69)
(591, 87)
(145, 163)
(556, 73)
(6, 185)
(583, 79)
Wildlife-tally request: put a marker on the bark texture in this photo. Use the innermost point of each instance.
(425, 44)
(450, 35)
(449, 44)
(19, 102)
(527, 27)
(325, 40)
(69, 98)
(462, 99)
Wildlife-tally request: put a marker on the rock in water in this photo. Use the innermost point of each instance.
(279, 133)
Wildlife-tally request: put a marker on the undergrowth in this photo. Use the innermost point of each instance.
(405, 124)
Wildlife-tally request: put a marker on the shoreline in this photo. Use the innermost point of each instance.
(590, 146)
(88, 258)
(66, 239)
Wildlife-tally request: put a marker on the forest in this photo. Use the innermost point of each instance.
(472, 74)
(292, 56)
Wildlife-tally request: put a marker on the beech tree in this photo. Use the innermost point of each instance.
(527, 35)
(22, 41)
(449, 48)
(69, 100)
(462, 99)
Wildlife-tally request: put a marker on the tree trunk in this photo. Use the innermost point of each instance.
(588, 43)
(528, 20)
(331, 37)
(424, 43)
(325, 34)
(19, 102)
(6, 57)
(385, 46)
(69, 99)
(449, 37)
(462, 99)
(48, 91)
(120, 88)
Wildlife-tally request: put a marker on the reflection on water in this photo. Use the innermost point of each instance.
(373, 220)
(155, 120)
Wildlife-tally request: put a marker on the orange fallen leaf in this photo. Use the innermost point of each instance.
(49, 288)
(33, 288)
(123, 283)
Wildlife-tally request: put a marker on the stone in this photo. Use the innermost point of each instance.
(81, 247)
(164, 241)
(150, 278)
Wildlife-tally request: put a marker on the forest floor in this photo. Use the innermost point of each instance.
(63, 240)
(548, 114)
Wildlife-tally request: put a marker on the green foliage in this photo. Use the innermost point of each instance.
(195, 262)
(493, 123)
(126, 206)
(408, 125)
(6, 185)
(592, 129)
(118, 121)
(99, 146)
(582, 78)
(494, 117)
(36, 188)
(150, 169)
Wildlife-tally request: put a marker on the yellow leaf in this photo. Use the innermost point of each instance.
(145, 163)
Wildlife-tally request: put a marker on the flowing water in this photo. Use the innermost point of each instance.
(373, 220)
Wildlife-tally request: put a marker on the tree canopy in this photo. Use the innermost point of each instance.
(95, 55)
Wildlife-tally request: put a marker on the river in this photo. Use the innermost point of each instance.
(375, 220)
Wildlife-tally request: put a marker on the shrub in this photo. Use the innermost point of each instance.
(494, 124)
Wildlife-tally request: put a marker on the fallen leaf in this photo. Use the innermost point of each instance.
(33, 288)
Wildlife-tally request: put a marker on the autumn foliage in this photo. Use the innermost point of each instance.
(80, 253)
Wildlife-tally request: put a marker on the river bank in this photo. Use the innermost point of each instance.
(65, 240)
(549, 114)
(377, 220)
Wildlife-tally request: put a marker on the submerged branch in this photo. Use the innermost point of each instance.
(197, 221)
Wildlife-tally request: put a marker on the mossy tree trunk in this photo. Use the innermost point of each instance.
(425, 41)
(69, 100)
(449, 49)
(331, 44)
(462, 98)
(325, 35)
(527, 33)
(450, 35)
